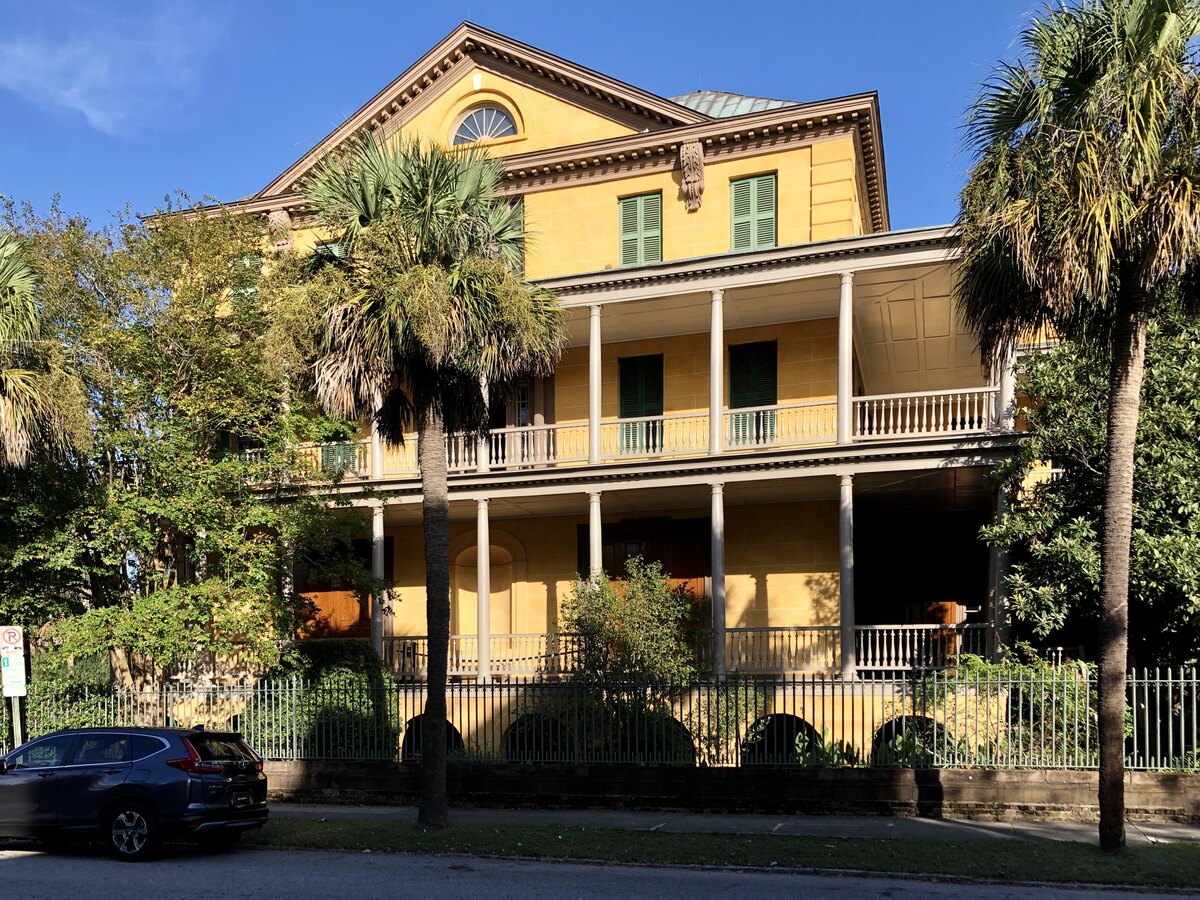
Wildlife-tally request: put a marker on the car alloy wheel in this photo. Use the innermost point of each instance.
(131, 833)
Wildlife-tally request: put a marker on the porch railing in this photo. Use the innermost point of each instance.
(904, 647)
(655, 436)
(512, 655)
(778, 650)
(924, 414)
(759, 651)
(788, 425)
(537, 445)
(875, 418)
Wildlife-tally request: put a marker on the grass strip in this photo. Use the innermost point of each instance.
(1154, 865)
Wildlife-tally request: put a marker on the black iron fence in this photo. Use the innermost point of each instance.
(1040, 719)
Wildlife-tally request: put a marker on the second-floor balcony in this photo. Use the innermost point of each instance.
(962, 412)
(848, 343)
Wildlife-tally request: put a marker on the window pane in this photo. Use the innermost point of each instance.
(484, 123)
(99, 749)
(144, 745)
(50, 752)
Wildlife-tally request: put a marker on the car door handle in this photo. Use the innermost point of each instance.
(46, 774)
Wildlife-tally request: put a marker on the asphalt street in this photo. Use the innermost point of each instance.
(298, 875)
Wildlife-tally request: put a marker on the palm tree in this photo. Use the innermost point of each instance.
(1083, 204)
(29, 416)
(428, 314)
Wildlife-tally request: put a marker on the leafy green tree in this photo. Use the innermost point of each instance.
(426, 313)
(1054, 525)
(159, 539)
(1082, 204)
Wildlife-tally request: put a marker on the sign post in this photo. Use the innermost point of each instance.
(12, 673)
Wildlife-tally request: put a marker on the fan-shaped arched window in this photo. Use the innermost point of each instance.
(484, 123)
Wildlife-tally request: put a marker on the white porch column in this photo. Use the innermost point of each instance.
(595, 535)
(1006, 400)
(1001, 620)
(716, 373)
(594, 384)
(845, 360)
(483, 592)
(377, 561)
(482, 446)
(846, 577)
(718, 578)
(376, 442)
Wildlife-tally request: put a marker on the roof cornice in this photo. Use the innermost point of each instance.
(941, 237)
(471, 41)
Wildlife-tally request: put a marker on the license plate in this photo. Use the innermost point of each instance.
(241, 799)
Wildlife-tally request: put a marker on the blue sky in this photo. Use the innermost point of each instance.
(120, 102)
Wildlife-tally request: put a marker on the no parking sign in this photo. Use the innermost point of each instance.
(12, 661)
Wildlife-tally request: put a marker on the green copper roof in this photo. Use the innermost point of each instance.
(723, 105)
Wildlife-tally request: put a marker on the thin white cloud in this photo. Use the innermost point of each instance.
(114, 71)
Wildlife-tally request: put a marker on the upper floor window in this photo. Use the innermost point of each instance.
(484, 123)
(753, 226)
(641, 229)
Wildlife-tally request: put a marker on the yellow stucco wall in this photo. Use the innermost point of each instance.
(807, 368)
(781, 563)
(543, 121)
(539, 578)
(574, 229)
(781, 569)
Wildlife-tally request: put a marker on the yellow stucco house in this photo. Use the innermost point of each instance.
(764, 387)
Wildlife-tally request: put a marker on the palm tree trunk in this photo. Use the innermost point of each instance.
(1125, 385)
(431, 451)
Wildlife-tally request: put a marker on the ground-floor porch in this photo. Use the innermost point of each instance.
(843, 573)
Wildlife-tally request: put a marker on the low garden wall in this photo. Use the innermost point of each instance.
(961, 793)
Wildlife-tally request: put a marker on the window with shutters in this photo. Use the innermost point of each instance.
(642, 401)
(753, 204)
(753, 384)
(641, 229)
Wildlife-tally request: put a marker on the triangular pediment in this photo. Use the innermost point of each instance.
(473, 65)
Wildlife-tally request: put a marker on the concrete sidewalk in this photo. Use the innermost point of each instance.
(879, 827)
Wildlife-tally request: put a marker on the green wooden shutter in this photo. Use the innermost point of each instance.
(651, 229)
(641, 395)
(743, 215)
(754, 207)
(630, 237)
(764, 212)
(631, 389)
(337, 459)
(641, 229)
(741, 376)
(753, 381)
